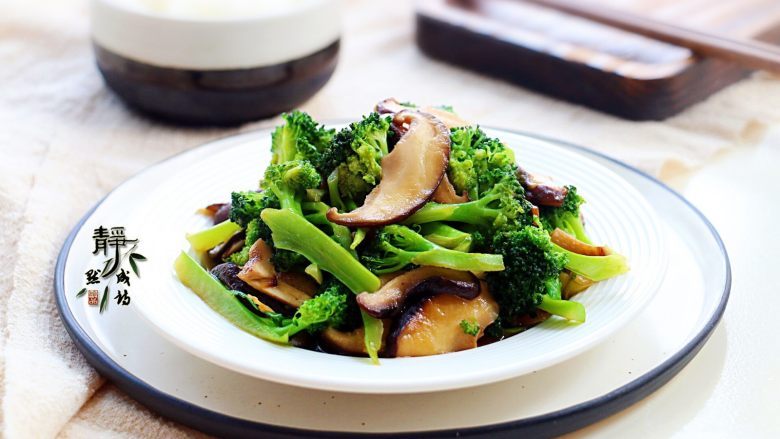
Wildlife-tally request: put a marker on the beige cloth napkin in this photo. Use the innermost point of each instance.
(65, 141)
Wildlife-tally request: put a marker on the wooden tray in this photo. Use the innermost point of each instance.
(588, 63)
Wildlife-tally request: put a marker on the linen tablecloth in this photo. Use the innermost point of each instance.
(65, 141)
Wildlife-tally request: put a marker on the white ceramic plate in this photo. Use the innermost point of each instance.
(632, 363)
(616, 214)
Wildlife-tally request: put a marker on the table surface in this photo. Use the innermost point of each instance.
(732, 388)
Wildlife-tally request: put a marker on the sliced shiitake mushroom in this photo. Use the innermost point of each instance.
(577, 283)
(227, 273)
(260, 274)
(222, 213)
(299, 281)
(344, 343)
(227, 248)
(450, 119)
(540, 190)
(445, 193)
(410, 174)
(433, 326)
(389, 300)
(217, 211)
(390, 106)
(574, 245)
(349, 343)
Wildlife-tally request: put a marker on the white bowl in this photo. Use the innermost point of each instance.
(190, 66)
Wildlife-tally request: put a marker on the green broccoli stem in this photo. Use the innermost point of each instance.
(341, 234)
(287, 199)
(213, 236)
(574, 311)
(447, 236)
(333, 189)
(286, 144)
(372, 335)
(471, 212)
(458, 260)
(293, 232)
(405, 246)
(360, 235)
(596, 268)
(225, 302)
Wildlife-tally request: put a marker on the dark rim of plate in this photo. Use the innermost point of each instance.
(546, 425)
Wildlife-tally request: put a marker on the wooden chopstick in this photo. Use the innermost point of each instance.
(748, 53)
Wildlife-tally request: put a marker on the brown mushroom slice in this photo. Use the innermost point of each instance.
(389, 106)
(227, 273)
(540, 190)
(260, 274)
(574, 245)
(259, 265)
(445, 193)
(349, 343)
(234, 244)
(284, 293)
(344, 343)
(577, 284)
(450, 119)
(389, 300)
(410, 174)
(434, 325)
(300, 281)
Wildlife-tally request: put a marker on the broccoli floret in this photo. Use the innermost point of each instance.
(470, 328)
(495, 329)
(395, 247)
(285, 185)
(313, 315)
(325, 309)
(300, 138)
(246, 206)
(532, 273)
(347, 316)
(566, 217)
(245, 210)
(503, 206)
(473, 158)
(356, 156)
(289, 181)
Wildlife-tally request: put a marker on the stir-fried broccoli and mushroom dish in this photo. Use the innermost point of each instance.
(410, 232)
